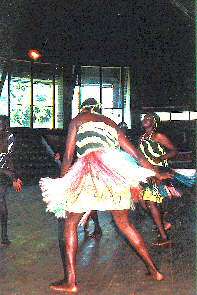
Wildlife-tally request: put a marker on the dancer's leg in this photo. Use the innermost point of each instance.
(86, 225)
(4, 216)
(61, 242)
(97, 229)
(71, 246)
(135, 238)
(156, 215)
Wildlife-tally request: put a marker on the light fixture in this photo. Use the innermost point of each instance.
(34, 54)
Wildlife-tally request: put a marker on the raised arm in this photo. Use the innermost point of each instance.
(69, 148)
(128, 147)
(166, 142)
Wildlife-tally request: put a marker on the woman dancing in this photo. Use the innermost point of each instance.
(101, 179)
(158, 149)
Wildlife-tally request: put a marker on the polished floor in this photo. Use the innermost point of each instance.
(108, 266)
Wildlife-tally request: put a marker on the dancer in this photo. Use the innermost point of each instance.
(101, 179)
(158, 149)
(7, 173)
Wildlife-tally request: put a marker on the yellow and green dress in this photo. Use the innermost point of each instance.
(167, 188)
(102, 178)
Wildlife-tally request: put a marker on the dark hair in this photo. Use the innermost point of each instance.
(123, 125)
(90, 103)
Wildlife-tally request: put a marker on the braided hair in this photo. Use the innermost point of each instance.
(91, 104)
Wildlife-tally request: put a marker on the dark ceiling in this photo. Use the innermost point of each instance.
(155, 37)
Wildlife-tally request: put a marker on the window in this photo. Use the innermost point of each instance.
(108, 86)
(43, 106)
(179, 116)
(3, 88)
(20, 94)
(32, 94)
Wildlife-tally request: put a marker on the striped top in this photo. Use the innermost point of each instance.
(95, 136)
(151, 149)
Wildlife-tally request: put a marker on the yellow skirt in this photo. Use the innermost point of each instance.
(149, 195)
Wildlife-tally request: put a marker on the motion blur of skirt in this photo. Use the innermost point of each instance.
(169, 188)
(100, 180)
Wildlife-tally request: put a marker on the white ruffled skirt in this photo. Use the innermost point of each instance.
(100, 180)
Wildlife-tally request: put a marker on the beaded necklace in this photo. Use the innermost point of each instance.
(145, 137)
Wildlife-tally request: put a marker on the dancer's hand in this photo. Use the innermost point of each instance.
(17, 185)
(164, 175)
(153, 180)
(159, 176)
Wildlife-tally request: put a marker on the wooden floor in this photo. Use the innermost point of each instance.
(105, 267)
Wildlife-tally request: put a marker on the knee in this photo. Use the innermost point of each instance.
(151, 205)
(123, 225)
(70, 229)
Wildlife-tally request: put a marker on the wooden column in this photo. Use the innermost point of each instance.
(68, 89)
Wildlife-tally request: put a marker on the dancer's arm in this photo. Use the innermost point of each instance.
(7, 164)
(128, 147)
(166, 142)
(70, 148)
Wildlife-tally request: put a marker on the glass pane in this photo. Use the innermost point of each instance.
(76, 101)
(193, 115)
(180, 116)
(90, 83)
(114, 114)
(20, 116)
(42, 93)
(3, 88)
(4, 98)
(20, 94)
(42, 96)
(42, 116)
(89, 91)
(111, 87)
(164, 116)
(107, 96)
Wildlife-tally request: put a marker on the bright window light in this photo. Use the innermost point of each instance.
(193, 115)
(180, 116)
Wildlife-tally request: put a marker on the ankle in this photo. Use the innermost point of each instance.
(71, 280)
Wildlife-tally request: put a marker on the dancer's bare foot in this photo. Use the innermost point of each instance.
(157, 276)
(70, 288)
